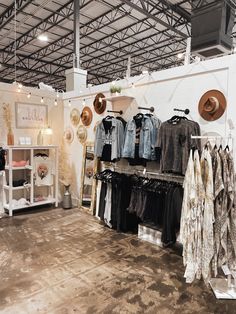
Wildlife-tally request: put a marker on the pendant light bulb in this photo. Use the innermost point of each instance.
(84, 103)
(57, 94)
(55, 102)
(28, 95)
(42, 100)
(18, 90)
(133, 86)
(69, 103)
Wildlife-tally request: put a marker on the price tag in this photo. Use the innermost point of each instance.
(226, 270)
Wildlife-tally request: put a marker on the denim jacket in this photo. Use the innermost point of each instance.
(115, 138)
(156, 126)
(146, 137)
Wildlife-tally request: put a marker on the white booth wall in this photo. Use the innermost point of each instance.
(180, 87)
(10, 95)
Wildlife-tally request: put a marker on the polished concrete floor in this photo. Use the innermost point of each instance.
(62, 262)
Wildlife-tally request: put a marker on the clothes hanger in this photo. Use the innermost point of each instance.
(139, 115)
(108, 117)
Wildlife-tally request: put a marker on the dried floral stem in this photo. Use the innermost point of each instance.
(65, 169)
(7, 116)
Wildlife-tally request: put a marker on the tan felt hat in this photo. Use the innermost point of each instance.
(99, 103)
(212, 105)
(86, 116)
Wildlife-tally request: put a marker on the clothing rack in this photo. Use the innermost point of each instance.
(151, 109)
(230, 137)
(185, 111)
(211, 137)
(116, 111)
(155, 175)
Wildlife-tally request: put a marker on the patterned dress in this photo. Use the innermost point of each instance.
(191, 220)
(208, 215)
(218, 194)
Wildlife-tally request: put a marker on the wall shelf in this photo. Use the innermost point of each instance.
(39, 203)
(16, 188)
(19, 168)
(120, 98)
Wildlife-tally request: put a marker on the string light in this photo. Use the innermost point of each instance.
(69, 103)
(55, 102)
(133, 86)
(57, 94)
(42, 100)
(28, 95)
(84, 103)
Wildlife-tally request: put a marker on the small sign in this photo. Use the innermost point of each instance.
(226, 270)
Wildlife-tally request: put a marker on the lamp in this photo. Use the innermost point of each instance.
(47, 136)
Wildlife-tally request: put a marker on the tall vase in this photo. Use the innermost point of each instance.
(10, 137)
(67, 202)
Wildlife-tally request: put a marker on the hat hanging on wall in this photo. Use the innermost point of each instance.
(95, 126)
(81, 133)
(86, 116)
(212, 105)
(69, 135)
(75, 116)
(99, 103)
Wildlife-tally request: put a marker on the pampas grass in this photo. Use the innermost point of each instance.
(7, 116)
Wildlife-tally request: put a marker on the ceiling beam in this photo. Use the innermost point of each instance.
(9, 13)
(153, 17)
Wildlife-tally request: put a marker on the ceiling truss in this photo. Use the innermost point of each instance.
(152, 32)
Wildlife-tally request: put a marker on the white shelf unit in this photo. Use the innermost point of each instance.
(29, 152)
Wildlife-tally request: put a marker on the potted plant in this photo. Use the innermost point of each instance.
(115, 90)
(65, 176)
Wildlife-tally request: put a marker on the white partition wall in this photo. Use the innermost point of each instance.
(180, 87)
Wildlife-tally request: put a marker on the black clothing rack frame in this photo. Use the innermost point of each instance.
(185, 111)
(151, 109)
(116, 111)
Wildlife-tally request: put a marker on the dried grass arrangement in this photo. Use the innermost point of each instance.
(65, 169)
(7, 116)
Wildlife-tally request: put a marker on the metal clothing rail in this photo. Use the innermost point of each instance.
(157, 175)
(230, 137)
(116, 111)
(185, 111)
(210, 137)
(151, 109)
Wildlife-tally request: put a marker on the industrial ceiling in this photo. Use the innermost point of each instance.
(151, 32)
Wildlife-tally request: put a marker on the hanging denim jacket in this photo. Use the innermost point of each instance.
(156, 123)
(146, 136)
(115, 138)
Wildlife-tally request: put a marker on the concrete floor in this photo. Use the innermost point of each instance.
(62, 262)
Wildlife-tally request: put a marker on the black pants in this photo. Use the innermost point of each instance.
(172, 215)
(102, 201)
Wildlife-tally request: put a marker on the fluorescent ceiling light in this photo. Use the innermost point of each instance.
(43, 37)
